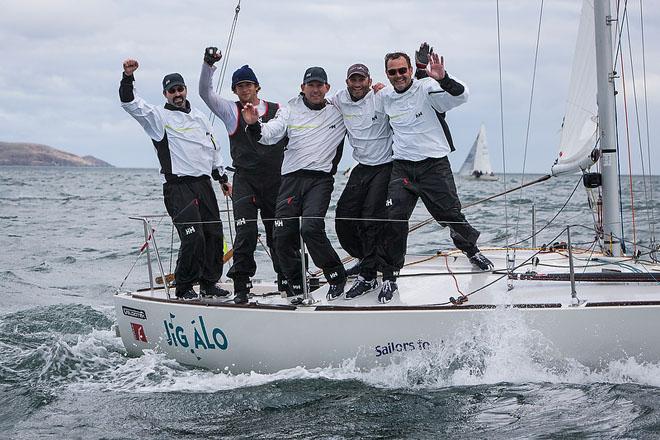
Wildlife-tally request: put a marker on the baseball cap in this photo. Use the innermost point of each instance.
(359, 69)
(315, 74)
(171, 80)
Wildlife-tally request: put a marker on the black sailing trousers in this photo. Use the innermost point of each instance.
(432, 181)
(364, 197)
(307, 194)
(192, 204)
(252, 193)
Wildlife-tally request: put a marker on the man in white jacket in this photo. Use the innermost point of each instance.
(316, 137)
(188, 157)
(365, 193)
(421, 168)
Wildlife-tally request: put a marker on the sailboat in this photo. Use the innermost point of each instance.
(477, 163)
(593, 306)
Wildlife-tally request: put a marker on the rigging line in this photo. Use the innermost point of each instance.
(626, 120)
(555, 216)
(618, 164)
(529, 120)
(618, 32)
(499, 66)
(225, 63)
(646, 110)
(416, 226)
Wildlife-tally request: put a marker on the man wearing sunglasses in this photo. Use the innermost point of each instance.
(188, 157)
(364, 196)
(421, 167)
(257, 176)
(316, 137)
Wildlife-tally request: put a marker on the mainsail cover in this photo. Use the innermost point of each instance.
(580, 128)
(478, 158)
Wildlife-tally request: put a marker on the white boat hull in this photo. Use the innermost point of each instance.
(272, 335)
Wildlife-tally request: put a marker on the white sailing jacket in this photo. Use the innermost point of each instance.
(315, 136)
(186, 137)
(417, 133)
(368, 127)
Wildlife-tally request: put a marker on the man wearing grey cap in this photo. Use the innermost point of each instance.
(365, 193)
(188, 157)
(316, 137)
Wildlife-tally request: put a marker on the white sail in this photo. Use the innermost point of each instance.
(477, 163)
(580, 128)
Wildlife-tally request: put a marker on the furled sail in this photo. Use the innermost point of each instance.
(580, 128)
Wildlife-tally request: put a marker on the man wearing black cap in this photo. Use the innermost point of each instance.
(316, 137)
(365, 193)
(257, 176)
(188, 157)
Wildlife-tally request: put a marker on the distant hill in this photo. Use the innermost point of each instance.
(19, 153)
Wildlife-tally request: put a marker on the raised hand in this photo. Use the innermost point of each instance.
(130, 66)
(422, 55)
(436, 67)
(212, 55)
(250, 113)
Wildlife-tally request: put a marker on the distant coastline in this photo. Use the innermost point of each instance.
(28, 154)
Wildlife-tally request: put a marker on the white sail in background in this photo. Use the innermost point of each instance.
(477, 163)
(580, 128)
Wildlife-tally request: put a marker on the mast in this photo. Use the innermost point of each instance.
(606, 117)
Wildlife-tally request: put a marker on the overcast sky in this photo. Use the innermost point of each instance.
(61, 64)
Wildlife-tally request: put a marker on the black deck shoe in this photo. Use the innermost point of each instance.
(241, 297)
(361, 287)
(480, 261)
(294, 289)
(186, 293)
(387, 291)
(335, 291)
(212, 290)
(354, 270)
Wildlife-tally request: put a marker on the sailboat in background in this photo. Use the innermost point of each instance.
(477, 163)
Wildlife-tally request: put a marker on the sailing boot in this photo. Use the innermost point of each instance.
(335, 290)
(387, 291)
(480, 261)
(211, 290)
(361, 286)
(242, 291)
(185, 292)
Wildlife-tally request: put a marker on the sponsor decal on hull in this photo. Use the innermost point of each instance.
(400, 347)
(134, 313)
(197, 339)
(138, 332)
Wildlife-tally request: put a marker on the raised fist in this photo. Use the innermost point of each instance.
(212, 55)
(130, 66)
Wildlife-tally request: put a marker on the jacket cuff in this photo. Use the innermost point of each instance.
(220, 178)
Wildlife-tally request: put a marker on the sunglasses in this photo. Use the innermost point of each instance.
(400, 71)
(176, 89)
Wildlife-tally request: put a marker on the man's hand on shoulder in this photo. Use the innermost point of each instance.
(378, 87)
(212, 55)
(130, 66)
(436, 67)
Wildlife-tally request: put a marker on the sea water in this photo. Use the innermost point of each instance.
(68, 243)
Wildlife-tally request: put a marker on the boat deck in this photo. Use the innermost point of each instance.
(432, 281)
